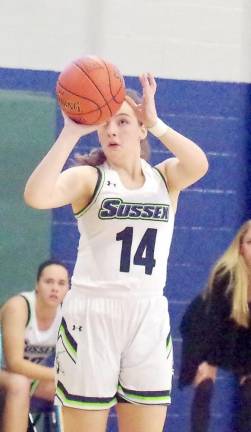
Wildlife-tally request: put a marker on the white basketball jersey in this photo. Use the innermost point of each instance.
(125, 236)
(39, 344)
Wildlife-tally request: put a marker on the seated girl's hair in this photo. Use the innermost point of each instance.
(232, 264)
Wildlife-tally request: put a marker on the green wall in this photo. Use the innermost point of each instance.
(27, 129)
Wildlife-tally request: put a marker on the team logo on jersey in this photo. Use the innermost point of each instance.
(116, 208)
(37, 353)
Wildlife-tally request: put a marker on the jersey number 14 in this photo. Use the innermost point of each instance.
(144, 254)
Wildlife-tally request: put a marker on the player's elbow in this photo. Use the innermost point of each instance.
(13, 365)
(201, 165)
(32, 199)
(204, 165)
(29, 199)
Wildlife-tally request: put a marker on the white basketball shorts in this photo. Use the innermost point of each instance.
(113, 348)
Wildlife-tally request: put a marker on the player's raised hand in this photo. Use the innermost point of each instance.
(146, 111)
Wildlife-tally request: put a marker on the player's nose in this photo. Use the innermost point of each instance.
(111, 129)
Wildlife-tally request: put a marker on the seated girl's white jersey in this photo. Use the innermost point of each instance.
(39, 344)
(125, 236)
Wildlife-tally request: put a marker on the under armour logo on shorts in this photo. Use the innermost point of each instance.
(79, 328)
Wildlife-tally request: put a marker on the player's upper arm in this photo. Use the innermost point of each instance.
(74, 184)
(178, 177)
(13, 321)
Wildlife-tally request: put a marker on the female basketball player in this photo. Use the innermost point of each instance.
(29, 324)
(114, 344)
(223, 338)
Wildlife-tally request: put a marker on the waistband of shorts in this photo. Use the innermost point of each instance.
(116, 294)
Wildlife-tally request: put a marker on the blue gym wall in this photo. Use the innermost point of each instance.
(217, 116)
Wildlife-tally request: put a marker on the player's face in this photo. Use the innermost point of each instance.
(122, 134)
(246, 248)
(52, 285)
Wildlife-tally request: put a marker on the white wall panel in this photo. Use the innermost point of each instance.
(181, 39)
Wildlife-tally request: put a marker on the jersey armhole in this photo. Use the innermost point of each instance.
(161, 175)
(98, 186)
(28, 310)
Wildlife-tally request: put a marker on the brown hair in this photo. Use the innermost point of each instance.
(97, 156)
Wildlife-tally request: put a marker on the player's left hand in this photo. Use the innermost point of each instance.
(146, 111)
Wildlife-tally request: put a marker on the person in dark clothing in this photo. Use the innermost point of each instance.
(216, 332)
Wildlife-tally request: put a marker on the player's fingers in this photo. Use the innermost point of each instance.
(152, 81)
(144, 80)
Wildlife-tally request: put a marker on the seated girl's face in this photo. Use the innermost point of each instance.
(52, 285)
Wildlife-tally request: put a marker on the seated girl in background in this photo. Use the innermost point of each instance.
(216, 332)
(29, 326)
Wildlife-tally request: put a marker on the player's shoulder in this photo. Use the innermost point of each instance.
(14, 305)
(83, 170)
(83, 175)
(15, 301)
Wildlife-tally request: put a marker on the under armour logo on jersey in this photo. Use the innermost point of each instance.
(110, 183)
(79, 328)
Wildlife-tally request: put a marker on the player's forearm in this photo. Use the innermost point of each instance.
(190, 155)
(30, 370)
(191, 158)
(41, 184)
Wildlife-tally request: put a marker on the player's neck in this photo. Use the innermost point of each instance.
(45, 315)
(131, 166)
(130, 174)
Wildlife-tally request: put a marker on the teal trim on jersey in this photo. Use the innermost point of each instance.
(145, 397)
(82, 402)
(161, 175)
(98, 187)
(68, 341)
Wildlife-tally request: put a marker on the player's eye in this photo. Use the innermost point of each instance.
(123, 121)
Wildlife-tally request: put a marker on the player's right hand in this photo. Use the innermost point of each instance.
(76, 128)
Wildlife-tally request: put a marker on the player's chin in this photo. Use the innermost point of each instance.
(112, 151)
(54, 301)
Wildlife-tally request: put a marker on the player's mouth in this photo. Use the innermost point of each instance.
(53, 297)
(113, 144)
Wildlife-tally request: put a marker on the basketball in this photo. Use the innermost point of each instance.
(90, 90)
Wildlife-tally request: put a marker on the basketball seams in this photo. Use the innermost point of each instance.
(81, 97)
(99, 107)
(108, 72)
(116, 95)
(84, 84)
(109, 79)
(93, 82)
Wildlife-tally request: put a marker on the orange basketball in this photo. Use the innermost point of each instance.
(90, 90)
